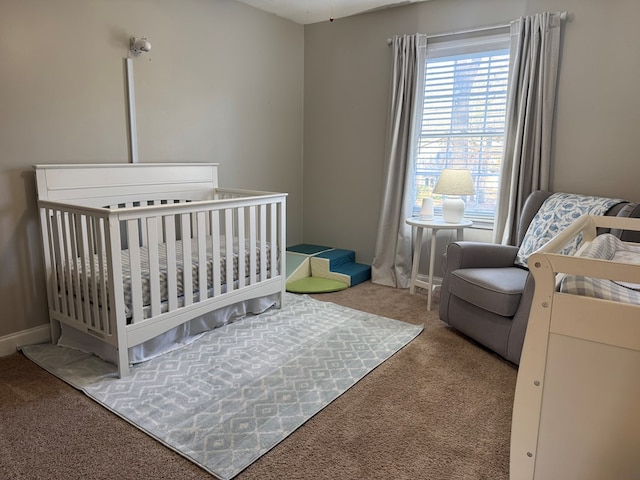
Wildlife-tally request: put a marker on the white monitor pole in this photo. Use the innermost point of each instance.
(136, 47)
(131, 100)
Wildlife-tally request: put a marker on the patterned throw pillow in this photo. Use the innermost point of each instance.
(556, 213)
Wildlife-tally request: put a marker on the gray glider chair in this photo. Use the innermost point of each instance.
(486, 296)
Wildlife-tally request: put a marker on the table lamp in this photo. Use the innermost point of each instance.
(452, 184)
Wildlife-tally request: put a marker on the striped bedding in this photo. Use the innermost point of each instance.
(606, 247)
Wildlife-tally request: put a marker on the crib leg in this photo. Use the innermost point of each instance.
(123, 362)
(56, 331)
(122, 349)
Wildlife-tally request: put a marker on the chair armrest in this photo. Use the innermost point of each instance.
(479, 255)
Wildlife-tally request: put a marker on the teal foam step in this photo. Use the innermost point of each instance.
(359, 272)
(331, 260)
(338, 257)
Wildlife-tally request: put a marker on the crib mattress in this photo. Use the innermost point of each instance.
(94, 274)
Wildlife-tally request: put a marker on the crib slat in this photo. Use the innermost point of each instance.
(202, 256)
(154, 267)
(172, 276)
(77, 280)
(73, 258)
(187, 259)
(55, 253)
(253, 257)
(91, 294)
(113, 275)
(85, 269)
(133, 238)
(94, 305)
(280, 250)
(68, 264)
(228, 243)
(69, 268)
(46, 253)
(89, 267)
(273, 241)
(263, 242)
(215, 254)
(101, 300)
(241, 248)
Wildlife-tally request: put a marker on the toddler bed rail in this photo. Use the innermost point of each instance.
(132, 251)
(576, 403)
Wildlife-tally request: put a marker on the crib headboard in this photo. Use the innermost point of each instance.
(101, 184)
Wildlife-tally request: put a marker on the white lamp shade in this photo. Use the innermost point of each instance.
(453, 183)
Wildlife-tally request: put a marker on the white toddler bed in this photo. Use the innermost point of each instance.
(577, 402)
(140, 256)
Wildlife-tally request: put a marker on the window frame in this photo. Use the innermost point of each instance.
(442, 48)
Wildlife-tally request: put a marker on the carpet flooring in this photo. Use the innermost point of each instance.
(438, 409)
(236, 392)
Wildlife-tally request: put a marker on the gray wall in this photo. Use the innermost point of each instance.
(222, 83)
(346, 89)
(227, 83)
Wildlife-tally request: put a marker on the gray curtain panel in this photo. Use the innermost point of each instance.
(391, 265)
(534, 61)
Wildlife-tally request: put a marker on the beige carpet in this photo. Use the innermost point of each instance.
(439, 409)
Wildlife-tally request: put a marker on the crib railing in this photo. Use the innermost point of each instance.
(112, 269)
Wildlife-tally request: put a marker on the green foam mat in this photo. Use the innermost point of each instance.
(315, 285)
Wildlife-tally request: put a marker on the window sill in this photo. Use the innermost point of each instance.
(481, 223)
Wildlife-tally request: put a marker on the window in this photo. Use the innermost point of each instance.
(463, 118)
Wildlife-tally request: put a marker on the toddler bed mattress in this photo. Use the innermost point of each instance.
(610, 248)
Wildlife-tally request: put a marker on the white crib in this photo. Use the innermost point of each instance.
(134, 251)
(576, 412)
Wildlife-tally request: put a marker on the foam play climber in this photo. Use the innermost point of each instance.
(320, 269)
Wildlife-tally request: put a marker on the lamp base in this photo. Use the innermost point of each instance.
(453, 209)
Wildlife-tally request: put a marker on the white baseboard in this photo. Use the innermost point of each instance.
(11, 343)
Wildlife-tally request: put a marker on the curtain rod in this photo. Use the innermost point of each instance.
(563, 16)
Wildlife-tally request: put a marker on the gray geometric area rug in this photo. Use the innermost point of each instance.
(229, 397)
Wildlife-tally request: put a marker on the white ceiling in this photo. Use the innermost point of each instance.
(313, 11)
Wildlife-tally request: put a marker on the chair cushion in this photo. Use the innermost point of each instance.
(497, 290)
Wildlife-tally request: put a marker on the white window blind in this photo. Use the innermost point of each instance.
(463, 118)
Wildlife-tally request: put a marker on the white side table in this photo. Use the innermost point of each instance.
(435, 225)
